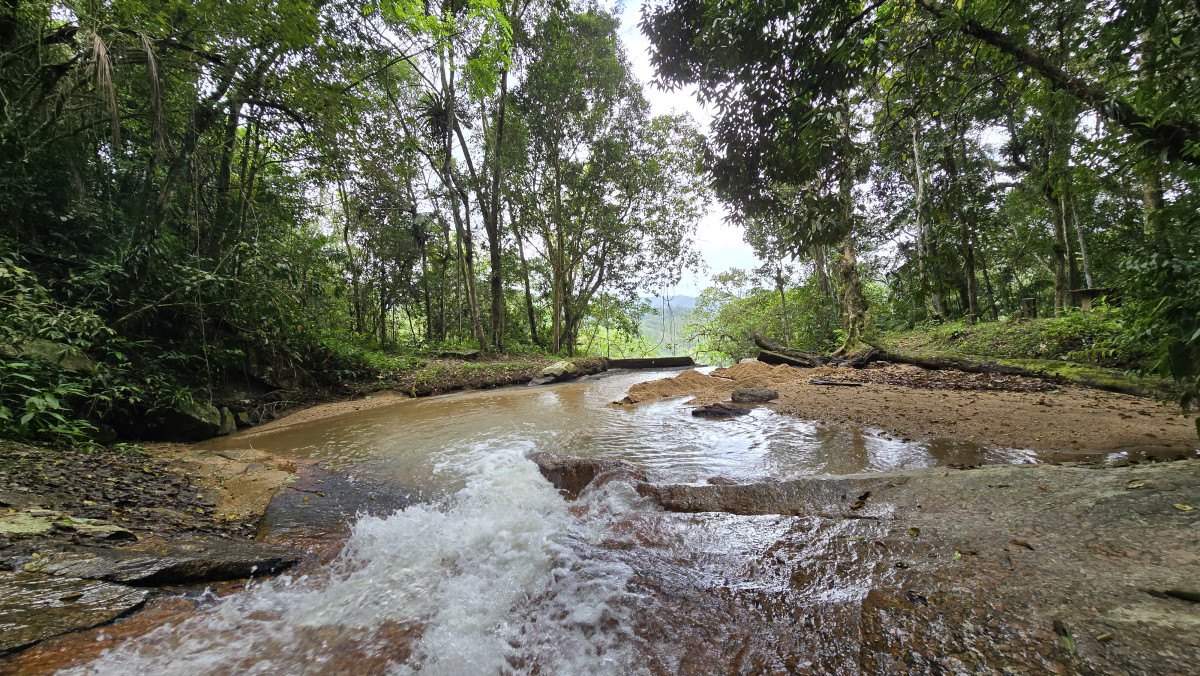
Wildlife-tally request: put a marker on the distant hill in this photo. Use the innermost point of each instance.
(677, 302)
(664, 325)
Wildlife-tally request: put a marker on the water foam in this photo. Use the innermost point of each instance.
(500, 578)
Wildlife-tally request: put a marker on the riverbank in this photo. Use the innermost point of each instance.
(988, 410)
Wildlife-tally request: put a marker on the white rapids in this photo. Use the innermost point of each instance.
(497, 577)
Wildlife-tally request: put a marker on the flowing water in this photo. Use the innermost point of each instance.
(493, 572)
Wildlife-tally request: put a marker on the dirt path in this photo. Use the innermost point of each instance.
(909, 402)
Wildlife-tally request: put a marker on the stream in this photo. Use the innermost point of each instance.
(493, 572)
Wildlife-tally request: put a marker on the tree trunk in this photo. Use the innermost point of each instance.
(495, 239)
(1083, 252)
(926, 264)
(854, 306)
(787, 329)
(529, 309)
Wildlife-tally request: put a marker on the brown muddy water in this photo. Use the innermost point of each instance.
(493, 572)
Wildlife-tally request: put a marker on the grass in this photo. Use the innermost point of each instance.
(1085, 348)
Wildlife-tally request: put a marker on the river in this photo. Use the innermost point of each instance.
(493, 572)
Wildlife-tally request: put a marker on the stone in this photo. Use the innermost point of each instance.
(719, 410)
(191, 421)
(559, 370)
(158, 562)
(320, 505)
(243, 419)
(570, 369)
(36, 607)
(228, 423)
(754, 395)
(573, 475)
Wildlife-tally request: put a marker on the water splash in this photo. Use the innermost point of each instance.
(499, 578)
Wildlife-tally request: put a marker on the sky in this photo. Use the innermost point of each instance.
(722, 245)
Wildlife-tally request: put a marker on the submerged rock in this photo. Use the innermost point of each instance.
(573, 475)
(719, 410)
(35, 607)
(754, 395)
(157, 562)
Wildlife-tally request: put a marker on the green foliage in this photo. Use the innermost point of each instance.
(1100, 338)
(1166, 319)
(729, 314)
(348, 357)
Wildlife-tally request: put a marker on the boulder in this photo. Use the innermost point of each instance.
(191, 421)
(570, 369)
(243, 419)
(559, 370)
(157, 562)
(719, 410)
(36, 607)
(320, 505)
(572, 475)
(228, 423)
(754, 395)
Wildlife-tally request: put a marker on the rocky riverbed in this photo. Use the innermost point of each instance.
(1001, 569)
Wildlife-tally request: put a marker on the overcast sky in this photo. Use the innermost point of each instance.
(721, 245)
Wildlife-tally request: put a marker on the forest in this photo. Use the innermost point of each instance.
(199, 194)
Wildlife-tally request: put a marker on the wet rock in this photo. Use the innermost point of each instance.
(35, 607)
(157, 562)
(573, 475)
(719, 410)
(754, 395)
(192, 421)
(228, 423)
(319, 504)
(826, 496)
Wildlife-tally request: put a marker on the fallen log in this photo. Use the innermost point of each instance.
(775, 358)
(843, 383)
(651, 363)
(936, 363)
(775, 353)
(799, 358)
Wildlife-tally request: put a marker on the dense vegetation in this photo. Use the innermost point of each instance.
(925, 161)
(200, 199)
(197, 196)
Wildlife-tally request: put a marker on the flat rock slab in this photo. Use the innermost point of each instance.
(157, 562)
(35, 607)
(320, 504)
(754, 395)
(719, 410)
(1002, 569)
